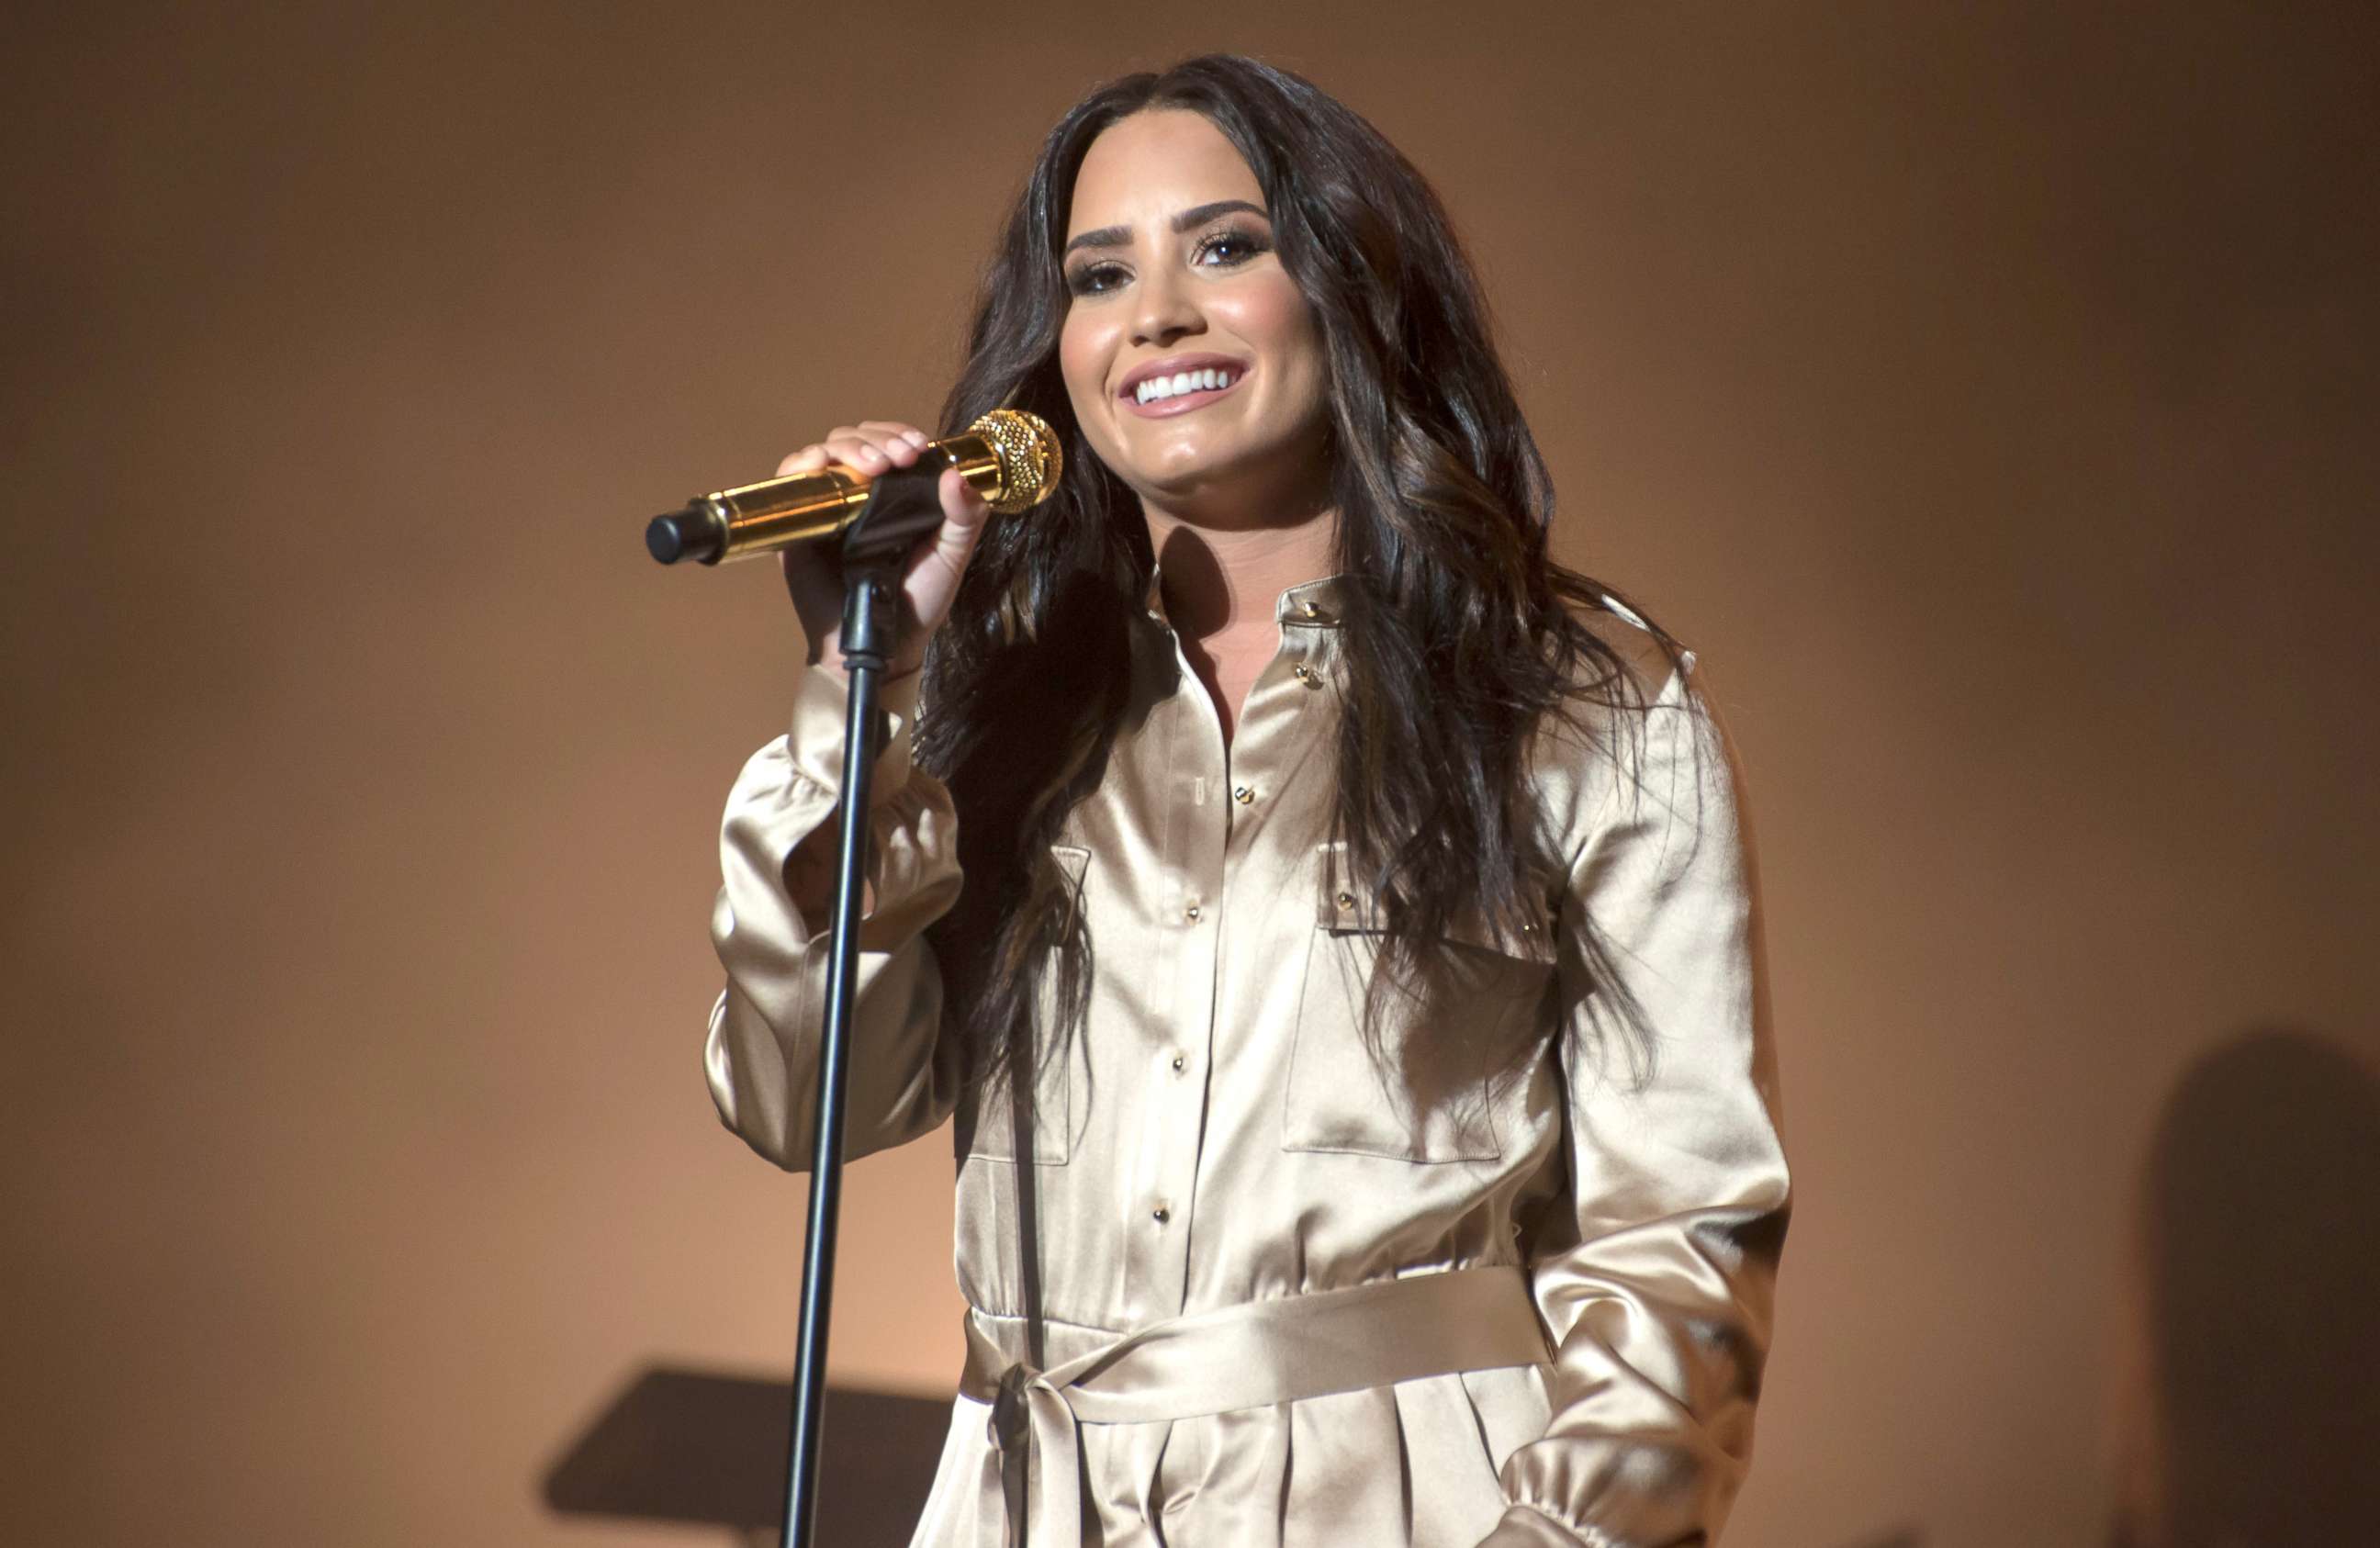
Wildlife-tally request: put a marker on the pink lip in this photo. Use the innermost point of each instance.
(1186, 402)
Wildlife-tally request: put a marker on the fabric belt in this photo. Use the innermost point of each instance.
(1248, 1356)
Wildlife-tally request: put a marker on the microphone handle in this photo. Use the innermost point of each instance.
(806, 507)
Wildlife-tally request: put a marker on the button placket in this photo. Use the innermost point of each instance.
(1196, 836)
(1207, 843)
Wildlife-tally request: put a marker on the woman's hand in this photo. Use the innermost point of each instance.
(814, 579)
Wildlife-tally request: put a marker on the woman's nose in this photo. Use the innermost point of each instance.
(1165, 311)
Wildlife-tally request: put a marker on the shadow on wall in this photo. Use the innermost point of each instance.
(694, 1448)
(2251, 1408)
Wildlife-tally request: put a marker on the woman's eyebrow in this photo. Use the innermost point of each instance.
(1120, 235)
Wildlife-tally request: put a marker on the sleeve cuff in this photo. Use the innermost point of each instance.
(814, 740)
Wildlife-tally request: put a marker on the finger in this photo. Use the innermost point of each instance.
(944, 554)
(885, 437)
(962, 507)
(857, 451)
(897, 429)
(809, 459)
(889, 438)
(963, 522)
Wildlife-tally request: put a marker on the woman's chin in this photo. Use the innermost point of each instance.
(1205, 494)
(1208, 465)
(1206, 468)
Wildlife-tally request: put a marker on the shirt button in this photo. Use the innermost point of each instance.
(1178, 1062)
(1191, 913)
(1242, 795)
(1160, 1215)
(1311, 611)
(1347, 900)
(1306, 676)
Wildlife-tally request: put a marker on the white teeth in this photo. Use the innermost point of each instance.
(1157, 387)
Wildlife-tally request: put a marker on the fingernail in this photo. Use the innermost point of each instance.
(915, 437)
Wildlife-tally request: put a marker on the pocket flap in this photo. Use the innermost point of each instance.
(1349, 907)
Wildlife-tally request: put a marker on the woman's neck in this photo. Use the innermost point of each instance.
(1226, 582)
(1221, 586)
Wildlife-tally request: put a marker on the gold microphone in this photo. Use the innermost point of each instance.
(1010, 458)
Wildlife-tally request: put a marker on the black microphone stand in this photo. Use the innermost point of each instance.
(903, 506)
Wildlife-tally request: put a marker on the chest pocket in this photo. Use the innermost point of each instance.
(1478, 996)
(992, 1132)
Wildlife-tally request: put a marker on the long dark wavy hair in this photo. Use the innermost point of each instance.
(1460, 633)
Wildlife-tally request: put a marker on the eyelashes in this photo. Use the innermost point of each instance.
(1224, 246)
(1244, 243)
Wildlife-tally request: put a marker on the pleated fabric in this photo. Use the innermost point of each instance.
(1323, 1472)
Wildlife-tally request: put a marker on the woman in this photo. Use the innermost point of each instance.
(1353, 898)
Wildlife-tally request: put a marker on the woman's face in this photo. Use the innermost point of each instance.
(1195, 366)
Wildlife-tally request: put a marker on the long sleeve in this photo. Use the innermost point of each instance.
(761, 1053)
(1656, 1279)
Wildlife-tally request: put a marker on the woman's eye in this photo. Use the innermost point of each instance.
(1093, 278)
(1224, 249)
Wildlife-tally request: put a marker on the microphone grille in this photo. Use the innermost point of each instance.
(1031, 457)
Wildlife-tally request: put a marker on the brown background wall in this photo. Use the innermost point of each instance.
(1987, 392)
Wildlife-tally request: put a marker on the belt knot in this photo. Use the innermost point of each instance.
(1010, 1417)
(1252, 1355)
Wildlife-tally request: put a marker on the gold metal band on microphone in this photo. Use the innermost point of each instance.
(1029, 457)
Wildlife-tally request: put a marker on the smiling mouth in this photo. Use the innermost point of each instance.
(1181, 391)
